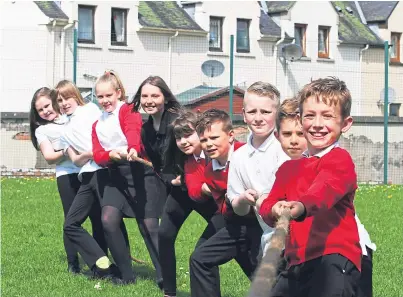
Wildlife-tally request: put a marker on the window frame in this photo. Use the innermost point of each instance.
(302, 27)
(221, 20)
(397, 106)
(398, 35)
(126, 12)
(92, 40)
(248, 31)
(325, 55)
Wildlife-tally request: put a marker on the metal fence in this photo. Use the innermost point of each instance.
(205, 74)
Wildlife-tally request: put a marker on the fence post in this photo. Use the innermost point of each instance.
(386, 115)
(75, 56)
(231, 78)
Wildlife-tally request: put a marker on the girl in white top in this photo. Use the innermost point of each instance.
(46, 127)
(77, 138)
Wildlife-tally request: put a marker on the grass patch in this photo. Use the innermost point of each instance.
(34, 265)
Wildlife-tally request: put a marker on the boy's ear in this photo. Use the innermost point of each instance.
(243, 113)
(231, 135)
(347, 122)
(276, 134)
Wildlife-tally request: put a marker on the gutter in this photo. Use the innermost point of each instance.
(170, 57)
(172, 31)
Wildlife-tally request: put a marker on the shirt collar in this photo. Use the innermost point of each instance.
(69, 117)
(116, 111)
(218, 166)
(323, 152)
(263, 147)
(202, 156)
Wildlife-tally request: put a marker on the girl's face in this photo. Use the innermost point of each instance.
(189, 144)
(67, 105)
(108, 96)
(152, 100)
(43, 106)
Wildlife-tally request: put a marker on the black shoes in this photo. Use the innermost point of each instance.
(123, 282)
(73, 268)
(108, 273)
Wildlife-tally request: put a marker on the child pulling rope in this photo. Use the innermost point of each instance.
(266, 274)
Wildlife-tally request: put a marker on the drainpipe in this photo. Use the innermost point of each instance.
(63, 48)
(276, 52)
(360, 93)
(170, 57)
(53, 54)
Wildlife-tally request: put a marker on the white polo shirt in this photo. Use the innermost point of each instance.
(53, 132)
(255, 169)
(109, 131)
(78, 132)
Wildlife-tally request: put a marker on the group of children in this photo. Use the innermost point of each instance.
(291, 160)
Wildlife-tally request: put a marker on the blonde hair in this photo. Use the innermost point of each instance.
(263, 89)
(331, 91)
(67, 89)
(112, 77)
(289, 109)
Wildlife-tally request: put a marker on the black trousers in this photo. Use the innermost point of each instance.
(68, 186)
(235, 241)
(365, 283)
(177, 208)
(327, 276)
(87, 204)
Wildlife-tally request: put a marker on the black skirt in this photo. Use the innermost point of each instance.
(135, 190)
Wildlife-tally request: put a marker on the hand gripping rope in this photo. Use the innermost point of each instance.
(266, 273)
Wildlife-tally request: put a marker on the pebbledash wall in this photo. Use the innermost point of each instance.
(364, 141)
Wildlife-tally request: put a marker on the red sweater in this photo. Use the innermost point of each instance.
(194, 178)
(130, 123)
(326, 186)
(217, 182)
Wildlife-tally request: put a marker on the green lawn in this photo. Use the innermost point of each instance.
(33, 259)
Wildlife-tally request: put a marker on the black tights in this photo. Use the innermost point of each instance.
(118, 241)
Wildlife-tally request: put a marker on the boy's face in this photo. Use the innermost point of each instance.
(322, 124)
(216, 142)
(259, 113)
(291, 138)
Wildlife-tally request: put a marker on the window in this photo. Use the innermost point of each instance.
(323, 42)
(395, 47)
(86, 24)
(394, 109)
(300, 37)
(215, 36)
(242, 36)
(119, 27)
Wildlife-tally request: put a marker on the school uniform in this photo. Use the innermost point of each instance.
(178, 207)
(322, 250)
(87, 201)
(255, 168)
(66, 177)
(239, 239)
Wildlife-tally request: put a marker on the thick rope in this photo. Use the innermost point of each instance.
(266, 274)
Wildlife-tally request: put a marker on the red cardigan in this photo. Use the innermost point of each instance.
(194, 178)
(326, 186)
(217, 182)
(131, 123)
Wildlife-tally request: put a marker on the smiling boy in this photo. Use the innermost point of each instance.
(322, 250)
(240, 238)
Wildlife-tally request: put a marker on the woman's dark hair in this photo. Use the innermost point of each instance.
(171, 103)
(34, 119)
(174, 158)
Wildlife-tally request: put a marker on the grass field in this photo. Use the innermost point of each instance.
(33, 259)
